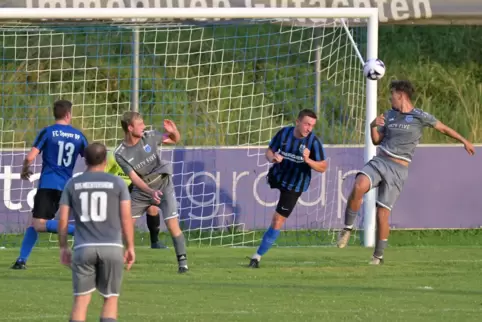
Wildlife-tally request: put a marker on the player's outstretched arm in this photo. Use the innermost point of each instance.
(377, 127)
(127, 232)
(444, 129)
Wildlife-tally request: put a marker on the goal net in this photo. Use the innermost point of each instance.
(229, 85)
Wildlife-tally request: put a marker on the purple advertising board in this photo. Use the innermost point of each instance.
(216, 187)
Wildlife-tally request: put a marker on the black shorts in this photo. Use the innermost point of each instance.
(287, 202)
(287, 198)
(130, 187)
(46, 203)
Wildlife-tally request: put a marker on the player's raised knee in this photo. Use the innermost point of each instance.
(362, 184)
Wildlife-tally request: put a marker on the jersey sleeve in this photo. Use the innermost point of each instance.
(428, 119)
(124, 192)
(125, 166)
(275, 142)
(66, 198)
(40, 140)
(317, 152)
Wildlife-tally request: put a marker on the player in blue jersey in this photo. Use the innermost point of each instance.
(294, 152)
(397, 132)
(60, 145)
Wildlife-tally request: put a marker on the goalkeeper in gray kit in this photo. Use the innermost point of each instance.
(396, 132)
(151, 177)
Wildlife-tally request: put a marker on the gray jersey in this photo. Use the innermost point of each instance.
(94, 199)
(143, 157)
(402, 132)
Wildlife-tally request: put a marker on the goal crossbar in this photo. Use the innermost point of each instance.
(143, 13)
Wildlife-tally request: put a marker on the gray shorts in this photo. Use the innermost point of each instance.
(97, 268)
(389, 176)
(141, 200)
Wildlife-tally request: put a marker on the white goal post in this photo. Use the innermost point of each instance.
(128, 15)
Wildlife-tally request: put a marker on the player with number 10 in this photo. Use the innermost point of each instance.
(101, 207)
(60, 145)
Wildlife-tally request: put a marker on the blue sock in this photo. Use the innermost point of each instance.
(52, 226)
(29, 240)
(269, 238)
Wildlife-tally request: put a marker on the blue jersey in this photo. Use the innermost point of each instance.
(60, 146)
(293, 173)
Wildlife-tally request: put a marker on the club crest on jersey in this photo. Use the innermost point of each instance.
(302, 148)
(147, 148)
(409, 118)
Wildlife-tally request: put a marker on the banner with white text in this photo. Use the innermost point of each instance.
(442, 190)
(390, 11)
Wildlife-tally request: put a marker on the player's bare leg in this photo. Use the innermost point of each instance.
(353, 205)
(153, 222)
(179, 242)
(269, 239)
(109, 309)
(383, 231)
(79, 308)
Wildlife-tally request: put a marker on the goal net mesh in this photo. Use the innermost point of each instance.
(229, 86)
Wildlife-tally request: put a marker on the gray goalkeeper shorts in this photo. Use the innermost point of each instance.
(141, 200)
(97, 268)
(389, 176)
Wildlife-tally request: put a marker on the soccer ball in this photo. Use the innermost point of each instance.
(374, 69)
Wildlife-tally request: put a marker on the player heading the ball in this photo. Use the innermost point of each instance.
(397, 132)
(294, 152)
(60, 145)
(139, 158)
(101, 207)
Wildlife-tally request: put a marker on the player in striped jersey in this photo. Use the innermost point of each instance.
(152, 214)
(294, 152)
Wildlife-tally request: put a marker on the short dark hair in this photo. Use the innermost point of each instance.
(95, 154)
(403, 86)
(307, 112)
(128, 118)
(62, 108)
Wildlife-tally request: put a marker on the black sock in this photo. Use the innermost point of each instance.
(107, 320)
(153, 223)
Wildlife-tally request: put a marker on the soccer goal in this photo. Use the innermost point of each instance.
(229, 77)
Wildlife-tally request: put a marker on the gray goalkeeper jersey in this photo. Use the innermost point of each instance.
(143, 157)
(402, 132)
(94, 199)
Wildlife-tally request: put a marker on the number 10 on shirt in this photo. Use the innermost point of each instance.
(94, 206)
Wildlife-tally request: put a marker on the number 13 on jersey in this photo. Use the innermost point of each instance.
(94, 206)
(66, 151)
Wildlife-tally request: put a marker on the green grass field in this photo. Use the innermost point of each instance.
(417, 283)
